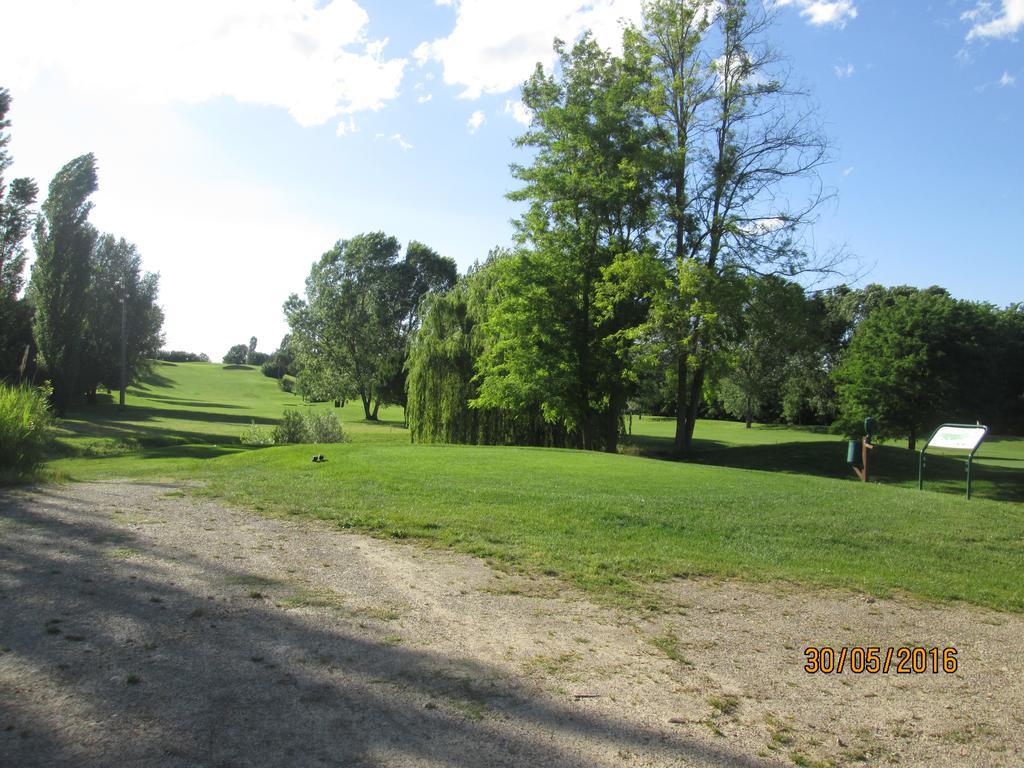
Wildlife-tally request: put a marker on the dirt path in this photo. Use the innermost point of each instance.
(140, 625)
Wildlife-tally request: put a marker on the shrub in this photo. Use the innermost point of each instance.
(324, 427)
(287, 384)
(257, 435)
(25, 420)
(292, 429)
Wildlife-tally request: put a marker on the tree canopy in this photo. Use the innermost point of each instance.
(349, 334)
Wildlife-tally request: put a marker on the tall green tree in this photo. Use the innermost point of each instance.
(350, 332)
(116, 279)
(774, 327)
(16, 219)
(731, 136)
(561, 317)
(914, 364)
(64, 240)
(237, 355)
(1007, 385)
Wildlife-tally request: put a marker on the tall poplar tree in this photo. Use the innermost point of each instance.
(64, 240)
(16, 203)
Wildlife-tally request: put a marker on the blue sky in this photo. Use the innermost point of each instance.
(237, 140)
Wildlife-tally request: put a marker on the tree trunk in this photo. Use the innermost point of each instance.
(90, 396)
(749, 418)
(912, 439)
(611, 425)
(696, 391)
(681, 408)
(366, 407)
(376, 408)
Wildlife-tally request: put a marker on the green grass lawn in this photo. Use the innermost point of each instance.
(199, 409)
(998, 471)
(765, 504)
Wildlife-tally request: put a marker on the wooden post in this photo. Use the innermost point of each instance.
(862, 472)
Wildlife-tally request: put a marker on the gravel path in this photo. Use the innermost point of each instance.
(143, 625)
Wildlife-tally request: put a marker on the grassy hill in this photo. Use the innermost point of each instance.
(766, 503)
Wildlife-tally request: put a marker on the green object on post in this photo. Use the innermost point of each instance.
(869, 428)
(851, 452)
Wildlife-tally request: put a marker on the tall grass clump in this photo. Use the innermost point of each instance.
(257, 435)
(25, 420)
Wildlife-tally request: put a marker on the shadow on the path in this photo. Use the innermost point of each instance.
(105, 660)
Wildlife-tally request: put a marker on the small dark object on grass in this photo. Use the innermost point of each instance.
(318, 459)
(321, 457)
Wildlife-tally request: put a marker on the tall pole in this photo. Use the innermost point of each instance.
(124, 344)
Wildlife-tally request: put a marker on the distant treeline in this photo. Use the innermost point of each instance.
(178, 356)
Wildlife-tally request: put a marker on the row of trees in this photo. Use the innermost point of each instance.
(245, 354)
(661, 180)
(89, 316)
(654, 271)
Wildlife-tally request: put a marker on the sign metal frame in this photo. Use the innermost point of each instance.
(970, 455)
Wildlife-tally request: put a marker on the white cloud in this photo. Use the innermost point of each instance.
(1007, 80)
(989, 22)
(346, 125)
(822, 12)
(397, 139)
(519, 111)
(425, 98)
(848, 171)
(843, 71)
(495, 46)
(475, 121)
(316, 62)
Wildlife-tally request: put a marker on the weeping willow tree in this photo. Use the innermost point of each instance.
(440, 371)
(442, 376)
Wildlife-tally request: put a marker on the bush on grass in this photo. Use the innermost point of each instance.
(25, 420)
(324, 427)
(294, 427)
(291, 429)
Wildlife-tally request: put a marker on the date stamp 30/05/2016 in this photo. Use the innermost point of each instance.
(869, 659)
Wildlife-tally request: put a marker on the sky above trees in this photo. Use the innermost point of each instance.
(237, 141)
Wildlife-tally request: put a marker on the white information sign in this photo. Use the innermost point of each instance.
(959, 438)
